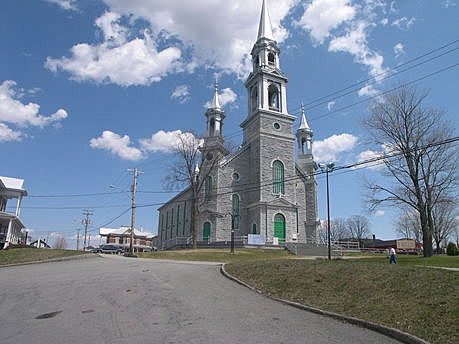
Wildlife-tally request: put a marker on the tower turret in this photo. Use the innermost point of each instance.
(304, 137)
(213, 140)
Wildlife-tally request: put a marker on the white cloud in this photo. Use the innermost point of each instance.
(7, 134)
(399, 50)
(404, 23)
(327, 150)
(322, 16)
(379, 213)
(222, 42)
(355, 43)
(163, 141)
(369, 155)
(330, 105)
(449, 3)
(367, 90)
(117, 59)
(181, 93)
(65, 4)
(384, 21)
(117, 145)
(226, 96)
(13, 111)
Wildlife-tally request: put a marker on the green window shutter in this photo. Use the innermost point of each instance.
(278, 178)
(235, 213)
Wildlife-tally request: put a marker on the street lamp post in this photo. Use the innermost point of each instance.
(232, 234)
(328, 168)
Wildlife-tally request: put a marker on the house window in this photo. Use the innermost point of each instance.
(208, 189)
(177, 222)
(273, 97)
(278, 178)
(235, 212)
(254, 228)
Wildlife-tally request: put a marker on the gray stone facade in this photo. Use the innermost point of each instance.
(275, 188)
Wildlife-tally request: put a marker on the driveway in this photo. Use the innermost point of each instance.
(125, 300)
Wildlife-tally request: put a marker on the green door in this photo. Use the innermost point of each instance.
(279, 227)
(206, 232)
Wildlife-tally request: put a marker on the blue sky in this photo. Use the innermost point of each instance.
(91, 88)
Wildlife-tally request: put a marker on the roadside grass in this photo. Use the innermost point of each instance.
(23, 255)
(417, 300)
(219, 255)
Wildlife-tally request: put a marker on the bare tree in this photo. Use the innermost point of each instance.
(190, 169)
(408, 225)
(358, 227)
(60, 243)
(420, 159)
(445, 222)
(338, 230)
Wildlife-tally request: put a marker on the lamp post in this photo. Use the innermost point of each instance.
(327, 168)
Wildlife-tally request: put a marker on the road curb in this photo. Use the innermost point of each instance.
(81, 256)
(388, 331)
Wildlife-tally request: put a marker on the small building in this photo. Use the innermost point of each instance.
(121, 237)
(11, 227)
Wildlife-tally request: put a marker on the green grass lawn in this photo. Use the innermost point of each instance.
(218, 255)
(23, 255)
(417, 300)
(437, 260)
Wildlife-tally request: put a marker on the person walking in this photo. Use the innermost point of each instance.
(393, 257)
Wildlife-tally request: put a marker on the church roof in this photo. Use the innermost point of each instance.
(265, 29)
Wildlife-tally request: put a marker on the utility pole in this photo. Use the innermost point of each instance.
(329, 167)
(78, 239)
(86, 221)
(133, 206)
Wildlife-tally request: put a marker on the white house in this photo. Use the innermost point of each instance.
(10, 224)
(121, 237)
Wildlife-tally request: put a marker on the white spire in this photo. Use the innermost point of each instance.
(215, 104)
(265, 30)
(304, 123)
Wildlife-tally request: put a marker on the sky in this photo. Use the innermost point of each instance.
(91, 88)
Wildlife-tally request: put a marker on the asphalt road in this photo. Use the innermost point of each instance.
(124, 300)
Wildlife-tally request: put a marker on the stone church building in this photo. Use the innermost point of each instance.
(262, 188)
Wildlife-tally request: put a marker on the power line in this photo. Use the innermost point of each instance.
(77, 195)
(348, 167)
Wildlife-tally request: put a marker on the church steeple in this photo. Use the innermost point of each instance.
(304, 137)
(215, 104)
(213, 140)
(265, 29)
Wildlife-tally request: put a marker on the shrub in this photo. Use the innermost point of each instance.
(451, 250)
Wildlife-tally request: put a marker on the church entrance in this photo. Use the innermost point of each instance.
(206, 232)
(279, 227)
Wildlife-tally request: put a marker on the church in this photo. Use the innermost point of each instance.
(263, 188)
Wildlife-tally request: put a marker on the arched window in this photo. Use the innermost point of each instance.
(235, 212)
(206, 231)
(212, 127)
(278, 178)
(271, 59)
(254, 228)
(208, 189)
(273, 97)
(254, 98)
